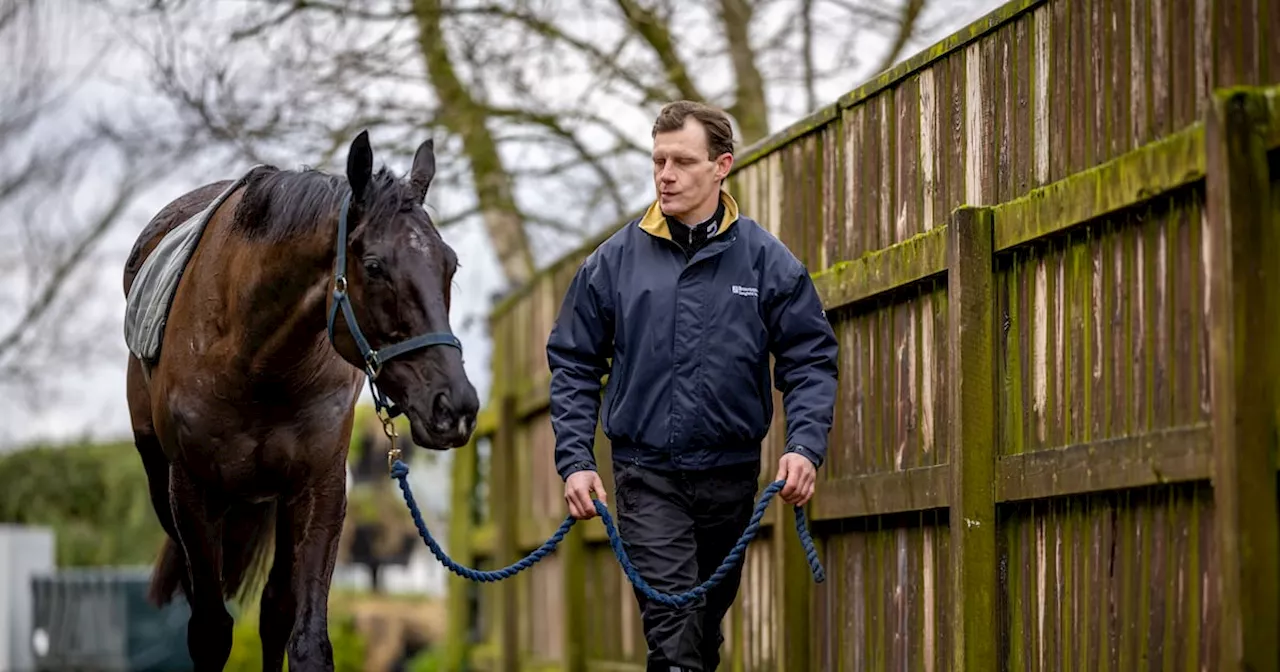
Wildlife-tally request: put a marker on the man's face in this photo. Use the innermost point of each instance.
(684, 177)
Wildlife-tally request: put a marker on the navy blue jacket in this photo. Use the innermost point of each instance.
(689, 384)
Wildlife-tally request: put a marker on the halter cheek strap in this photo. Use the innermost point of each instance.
(373, 359)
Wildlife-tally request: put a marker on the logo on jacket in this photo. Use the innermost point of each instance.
(745, 291)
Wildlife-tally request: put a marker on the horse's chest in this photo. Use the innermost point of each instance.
(258, 457)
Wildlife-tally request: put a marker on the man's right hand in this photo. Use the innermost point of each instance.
(577, 493)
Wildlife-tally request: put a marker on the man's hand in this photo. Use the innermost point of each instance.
(577, 492)
(801, 477)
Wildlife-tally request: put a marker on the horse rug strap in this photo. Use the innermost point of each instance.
(151, 295)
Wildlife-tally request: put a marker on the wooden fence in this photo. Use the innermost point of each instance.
(1048, 247)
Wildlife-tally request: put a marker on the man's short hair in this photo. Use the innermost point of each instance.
(715, 121)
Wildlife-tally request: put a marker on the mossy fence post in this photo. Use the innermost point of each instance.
(505, 503)
(461, 515)
(970, 338)
(1243, 338)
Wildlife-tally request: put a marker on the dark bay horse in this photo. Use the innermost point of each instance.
(243, 422)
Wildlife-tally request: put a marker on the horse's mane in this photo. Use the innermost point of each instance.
(279, 204)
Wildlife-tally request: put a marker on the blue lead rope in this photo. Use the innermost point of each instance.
(400, 472)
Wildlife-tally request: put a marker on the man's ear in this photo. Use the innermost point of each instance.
(724, 164)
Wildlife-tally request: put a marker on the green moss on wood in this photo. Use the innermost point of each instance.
(1244, 305)
(971, 295)
(1125, 181)
(806, 125)
(1271, 97)
(915, 259)
(484, 539)
(463, 484)
(1154, 458)
(917, 489)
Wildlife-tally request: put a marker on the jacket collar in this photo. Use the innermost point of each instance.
(654, 221)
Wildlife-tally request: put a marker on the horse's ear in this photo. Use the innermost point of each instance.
(423, 171)
(359, 166)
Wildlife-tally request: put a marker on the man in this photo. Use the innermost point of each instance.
(688, 302)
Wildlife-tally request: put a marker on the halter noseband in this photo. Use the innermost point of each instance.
(373, 359)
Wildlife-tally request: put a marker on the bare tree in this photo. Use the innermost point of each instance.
(540, 107)
(66, 179)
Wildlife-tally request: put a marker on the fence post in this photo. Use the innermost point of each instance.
(458, 626)
(794, 581)
(970, 341)
(504, 507)
(1244, 285)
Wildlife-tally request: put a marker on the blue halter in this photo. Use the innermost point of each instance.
(373, 359)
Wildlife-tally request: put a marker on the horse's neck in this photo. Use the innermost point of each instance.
(280, 305)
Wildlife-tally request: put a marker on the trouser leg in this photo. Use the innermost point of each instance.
(724, 499)
(656, 526)
(677, 529)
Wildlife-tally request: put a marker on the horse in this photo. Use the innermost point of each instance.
(243, 420)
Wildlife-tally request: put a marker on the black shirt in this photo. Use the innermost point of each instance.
(693, 238)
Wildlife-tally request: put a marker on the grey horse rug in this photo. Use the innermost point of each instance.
(146, 309)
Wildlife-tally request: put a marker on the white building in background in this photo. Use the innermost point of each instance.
(25, 552)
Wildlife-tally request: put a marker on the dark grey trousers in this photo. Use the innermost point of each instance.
(677, 527)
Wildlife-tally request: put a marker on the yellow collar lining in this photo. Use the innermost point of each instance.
(655, 222)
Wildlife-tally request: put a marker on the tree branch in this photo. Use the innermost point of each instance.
(806, 46)
(906, 27)
(598, 57)
(63, 268)
(657, 34)
(298, 6)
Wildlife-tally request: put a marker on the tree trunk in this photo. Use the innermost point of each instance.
(750, 107)
(462, 115)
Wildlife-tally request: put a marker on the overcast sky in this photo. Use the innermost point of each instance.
(90, 401)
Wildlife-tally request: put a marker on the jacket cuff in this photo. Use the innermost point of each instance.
(574, 468)
(808, 454)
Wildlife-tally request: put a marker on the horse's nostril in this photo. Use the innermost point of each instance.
(440, 406)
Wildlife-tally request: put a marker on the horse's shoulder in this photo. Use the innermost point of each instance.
(171, 215)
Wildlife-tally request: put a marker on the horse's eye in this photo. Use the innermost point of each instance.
(374, 268)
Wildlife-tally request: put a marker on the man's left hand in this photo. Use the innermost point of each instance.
(801, 477)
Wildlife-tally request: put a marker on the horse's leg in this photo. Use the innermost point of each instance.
(279, 609)
(315, 515)
(148, 444)
(199, 525)
(171, 568)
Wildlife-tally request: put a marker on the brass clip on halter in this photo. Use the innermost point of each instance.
(389, 428)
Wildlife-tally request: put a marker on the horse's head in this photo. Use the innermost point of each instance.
(398, 272)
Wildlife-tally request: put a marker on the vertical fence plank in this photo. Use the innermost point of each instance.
(971, 293)
(505, 518)
(1243, 318)
(792, 608)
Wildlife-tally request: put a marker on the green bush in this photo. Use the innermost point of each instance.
(427, 660)
(95, 497)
